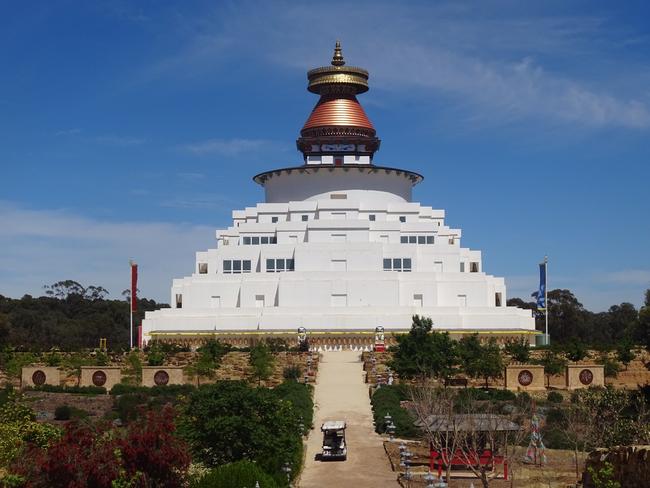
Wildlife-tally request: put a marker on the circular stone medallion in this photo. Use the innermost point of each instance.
(586, 377)
(525, 377)
(99, 378)
(161, 378)
(38, 378)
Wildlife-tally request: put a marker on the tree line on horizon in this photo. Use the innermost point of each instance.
(70, 316)
(569, 320)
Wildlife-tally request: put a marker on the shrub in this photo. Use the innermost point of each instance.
(236, 475)
(18, 427)
(230, 421)
(502, 395)
(66, 412)
(293, 372)
(554, 397)
(147, 453)
(611, 368)
(300, 396)
(62, 412)
(156, 356)
(102, 359)
(53, 359)
(79, 390)
(387, 400)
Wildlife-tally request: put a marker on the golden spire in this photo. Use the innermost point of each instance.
(337, 59)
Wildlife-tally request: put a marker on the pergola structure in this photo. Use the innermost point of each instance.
(483, 451)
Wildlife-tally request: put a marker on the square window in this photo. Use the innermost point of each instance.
(402, 218)
(397, 264)
(227, 266)
(236, 266)
(273, 240)
(387, 266)
(274, 220)
(422, 239)
(305, 218)
(289, 264)
(247, 241)
(413, 239)
(406, 262)
(429, 239)
(246, 264)
(264, 240)
(203, 268)
(255, 241)
(371, 217)
(270, 265)
(279, 264)
(473, 267)
(404, 239)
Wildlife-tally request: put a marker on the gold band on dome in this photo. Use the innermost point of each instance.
(338, 74)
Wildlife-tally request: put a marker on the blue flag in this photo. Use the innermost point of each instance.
(541, 294)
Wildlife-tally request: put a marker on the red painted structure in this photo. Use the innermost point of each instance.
(441, 459)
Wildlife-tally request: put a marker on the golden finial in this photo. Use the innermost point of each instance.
(337, 59)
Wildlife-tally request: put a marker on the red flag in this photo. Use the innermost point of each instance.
(134, 287)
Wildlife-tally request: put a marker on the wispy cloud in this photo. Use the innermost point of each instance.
(499, 68)
(640, 277)
(191, 176)
(227, 147)
(68, 132)
(43, 246)
(208, 202)
(115, 140)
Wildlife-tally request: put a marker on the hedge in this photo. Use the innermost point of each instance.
(236, 475)
(300, 396)
(80, 390)
(387, 400)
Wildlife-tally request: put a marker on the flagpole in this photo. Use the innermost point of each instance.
(134, 288)
(131, 307)
(547, 341)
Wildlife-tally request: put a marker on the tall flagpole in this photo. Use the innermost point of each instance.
(547, 341)
(133, 303)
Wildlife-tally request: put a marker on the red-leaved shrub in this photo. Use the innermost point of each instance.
(146, 453)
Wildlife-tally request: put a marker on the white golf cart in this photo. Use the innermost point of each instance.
(334, 445)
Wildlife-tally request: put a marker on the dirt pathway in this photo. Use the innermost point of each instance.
(341, 394)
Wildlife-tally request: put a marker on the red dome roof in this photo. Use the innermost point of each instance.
(343, 111)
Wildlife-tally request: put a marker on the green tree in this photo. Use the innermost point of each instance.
(204, 367)
(229, 421)
(480, 360)
(424, 353)
(261, 360)
(624, 352)
(575, 350)
(643, 326)
(553, 365)
(518, 349)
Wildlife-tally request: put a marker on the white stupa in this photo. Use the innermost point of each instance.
(338, 246)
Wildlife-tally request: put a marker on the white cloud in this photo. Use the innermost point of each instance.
(499, 67)
(227, 147)
(44, 246)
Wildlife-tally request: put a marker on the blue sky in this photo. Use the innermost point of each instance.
(132, 129)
